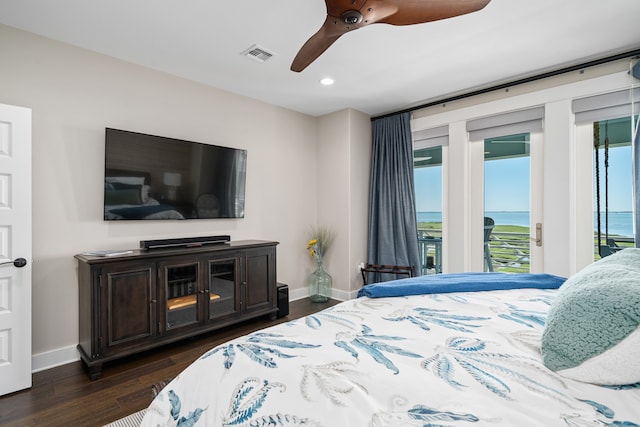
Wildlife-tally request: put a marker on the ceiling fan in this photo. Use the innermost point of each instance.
(348, 15)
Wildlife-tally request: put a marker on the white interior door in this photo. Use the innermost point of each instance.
(15, 248)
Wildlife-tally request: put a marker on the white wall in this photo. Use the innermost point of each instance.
(359, 178)
(344, 159)
(74, 95)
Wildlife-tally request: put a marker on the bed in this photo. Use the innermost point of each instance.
(444, 350)
(127, 195)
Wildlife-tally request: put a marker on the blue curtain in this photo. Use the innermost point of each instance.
(393, 230)
(636, 180)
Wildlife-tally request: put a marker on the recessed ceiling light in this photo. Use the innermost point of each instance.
(327, 81)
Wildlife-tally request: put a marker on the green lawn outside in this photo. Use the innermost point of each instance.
(509, 245)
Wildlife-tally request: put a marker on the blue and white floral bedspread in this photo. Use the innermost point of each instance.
(458, 359)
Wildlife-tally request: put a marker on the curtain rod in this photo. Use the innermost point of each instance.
(629, 54)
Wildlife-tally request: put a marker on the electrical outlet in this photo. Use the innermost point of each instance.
(360, 266)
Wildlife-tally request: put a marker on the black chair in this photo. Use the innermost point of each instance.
(489, 223)
(430, 263)
(610, 248)
(380, 269)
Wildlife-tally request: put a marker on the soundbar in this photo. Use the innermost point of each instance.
(185, 242)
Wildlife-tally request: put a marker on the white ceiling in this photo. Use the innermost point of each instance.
(377, 69)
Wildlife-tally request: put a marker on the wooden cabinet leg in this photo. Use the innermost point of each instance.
(95, 371)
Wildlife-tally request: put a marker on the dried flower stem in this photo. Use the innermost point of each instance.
(321, 239)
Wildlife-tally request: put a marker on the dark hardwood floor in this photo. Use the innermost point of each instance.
(65, 396)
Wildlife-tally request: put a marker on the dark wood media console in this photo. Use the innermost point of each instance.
(132, 303)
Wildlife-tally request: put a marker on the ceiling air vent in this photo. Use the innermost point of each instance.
(257, 53)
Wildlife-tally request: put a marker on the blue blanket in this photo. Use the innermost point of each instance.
(460, 282)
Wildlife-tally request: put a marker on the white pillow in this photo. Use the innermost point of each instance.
(145, 194)
(592, 331)
(615, 366)
(131, 180)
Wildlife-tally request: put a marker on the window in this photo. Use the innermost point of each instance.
(613, 189)
(512, 172)
(427, 175)
(506, 204)
(609, 119)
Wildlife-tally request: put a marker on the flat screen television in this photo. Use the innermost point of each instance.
(149, 177)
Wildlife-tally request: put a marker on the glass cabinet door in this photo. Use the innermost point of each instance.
(222, 287)
(181, 293)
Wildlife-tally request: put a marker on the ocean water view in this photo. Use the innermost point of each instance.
(620, 223)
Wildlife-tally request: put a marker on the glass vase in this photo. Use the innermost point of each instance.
(320, 284)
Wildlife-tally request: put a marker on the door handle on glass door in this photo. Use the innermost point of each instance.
(538, 238)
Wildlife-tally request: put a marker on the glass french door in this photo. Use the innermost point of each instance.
(613, 186)
(427, 174)
(511, 214)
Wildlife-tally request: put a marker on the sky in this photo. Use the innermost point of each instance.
(620, 180)
(511, 177)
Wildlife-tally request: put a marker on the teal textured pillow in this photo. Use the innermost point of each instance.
(592, 331)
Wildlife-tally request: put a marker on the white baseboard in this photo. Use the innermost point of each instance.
(53, 358)
(297, 294)
(62, 356)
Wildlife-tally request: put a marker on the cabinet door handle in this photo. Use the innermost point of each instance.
(153, 301)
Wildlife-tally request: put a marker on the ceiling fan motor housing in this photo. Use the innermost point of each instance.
(351, 17)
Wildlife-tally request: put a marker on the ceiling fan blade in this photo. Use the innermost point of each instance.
(342, 16)
(411, 12)
(316, 45)
(348, 15)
